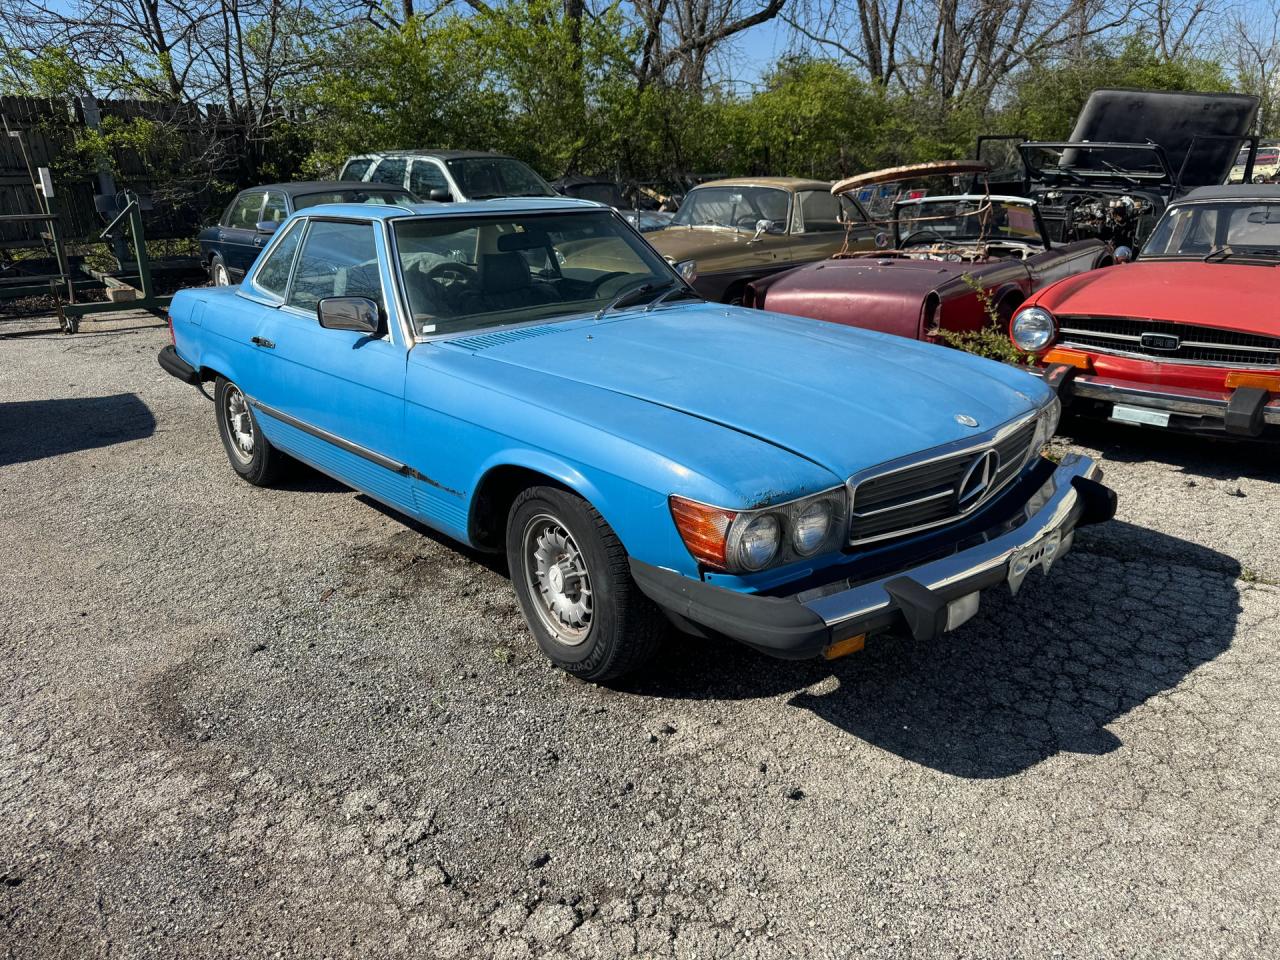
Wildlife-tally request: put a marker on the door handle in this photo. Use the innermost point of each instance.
(263, 342)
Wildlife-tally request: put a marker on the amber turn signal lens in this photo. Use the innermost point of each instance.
(842, 648)
(1072, 358)
(1261, 380)
(703, 529)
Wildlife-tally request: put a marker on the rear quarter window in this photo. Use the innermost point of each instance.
(356, 169)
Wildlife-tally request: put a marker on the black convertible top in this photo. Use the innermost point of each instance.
(1236, 191)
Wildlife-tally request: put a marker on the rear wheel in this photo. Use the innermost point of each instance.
(574, 585)
(218, 272)
(250, 452)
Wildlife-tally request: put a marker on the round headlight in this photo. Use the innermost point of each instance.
(758, 543)
(1033, 329)
(811, 526)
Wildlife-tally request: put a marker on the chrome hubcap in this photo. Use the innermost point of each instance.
(220, 276)
(239, 424)
(556, 572)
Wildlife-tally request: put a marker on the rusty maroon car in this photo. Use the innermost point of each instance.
(1186, 337)
(944, 263)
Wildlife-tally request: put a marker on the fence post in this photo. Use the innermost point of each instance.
(106, 182)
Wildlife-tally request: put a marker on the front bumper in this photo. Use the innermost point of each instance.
(918, 597)
(1244, 412)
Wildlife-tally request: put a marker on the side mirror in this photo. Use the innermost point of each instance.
(1124, 254)
(439, 195)
(688, 270)
(267, 226)
(882, 241)
(763, 227)
(359, 314)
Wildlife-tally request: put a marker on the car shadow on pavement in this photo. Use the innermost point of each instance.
(1125, 616)
(1197, 456)
(36, 429)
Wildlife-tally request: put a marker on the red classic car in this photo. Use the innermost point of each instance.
(1187, 336)
(940, 258)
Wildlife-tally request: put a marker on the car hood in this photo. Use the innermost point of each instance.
(875, 293)
(1173, 120)
(840, 397)
(688, 243)
(1232, 296)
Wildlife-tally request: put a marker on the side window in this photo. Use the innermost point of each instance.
(821, 212)
(245, 211)
(337, 260)
(273, 275)
(274, 210)
(852, 212)
(424, 177)
(356, 169)
(390, 170)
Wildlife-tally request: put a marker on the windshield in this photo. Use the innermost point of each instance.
(1085, 163)
(483, 178)
(466, 273)
(965, 219)
(1226, 230)
(354, 195)
(736, 207)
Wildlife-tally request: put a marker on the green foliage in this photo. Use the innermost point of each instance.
(1046, 97)
(992, 339)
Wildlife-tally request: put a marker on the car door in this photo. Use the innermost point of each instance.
(818, 226)
(239, 233)
(335, 398)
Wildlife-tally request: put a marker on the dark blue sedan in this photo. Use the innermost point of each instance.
(229, 247)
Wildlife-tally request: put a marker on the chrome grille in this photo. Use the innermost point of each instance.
(1196, 344)
(902, 499)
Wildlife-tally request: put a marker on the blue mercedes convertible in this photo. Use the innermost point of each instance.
(530, 376)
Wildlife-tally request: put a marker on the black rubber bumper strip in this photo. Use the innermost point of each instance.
(175, 366)
(1244, 417)
(779, 626)
(1098, 502)
(1058, 376)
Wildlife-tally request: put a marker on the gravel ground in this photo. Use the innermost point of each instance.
(239, 722)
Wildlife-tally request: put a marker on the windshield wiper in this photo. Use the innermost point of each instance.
(1218, 254)
(671, 291)
(627, 297)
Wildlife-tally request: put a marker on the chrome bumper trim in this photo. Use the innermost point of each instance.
(1193, 403)
(1051, 508)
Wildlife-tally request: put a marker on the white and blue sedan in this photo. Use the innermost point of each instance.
(530, 376)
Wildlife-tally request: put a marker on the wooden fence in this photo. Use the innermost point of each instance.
(182, 186)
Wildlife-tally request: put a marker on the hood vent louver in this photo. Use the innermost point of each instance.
(485, 341)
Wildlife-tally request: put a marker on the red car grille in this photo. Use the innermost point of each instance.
(1162, 340)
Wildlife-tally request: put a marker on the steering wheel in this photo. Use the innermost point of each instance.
(454, 272)
(926, 231)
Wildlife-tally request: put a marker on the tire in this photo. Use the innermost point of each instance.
(219, 276)
(602, 635)
(251, 454)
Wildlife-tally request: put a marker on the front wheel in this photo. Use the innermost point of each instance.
(574, 585)
(251, 454)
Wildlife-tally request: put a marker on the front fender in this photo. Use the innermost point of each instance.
(638, 515)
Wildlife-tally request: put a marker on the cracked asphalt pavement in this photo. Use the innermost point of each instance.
(243, 722)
